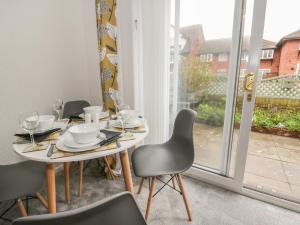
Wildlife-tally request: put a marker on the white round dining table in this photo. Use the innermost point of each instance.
(41, 156)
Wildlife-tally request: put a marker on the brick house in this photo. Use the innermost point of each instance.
(280, 58)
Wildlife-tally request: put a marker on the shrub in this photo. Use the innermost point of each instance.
(211, 115)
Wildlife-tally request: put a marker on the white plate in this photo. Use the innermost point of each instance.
(60, 145)
(101, 115)
(71, 143)
(118, 124)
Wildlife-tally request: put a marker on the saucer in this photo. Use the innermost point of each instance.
(71, 143)
(102, 115)
(137, 123)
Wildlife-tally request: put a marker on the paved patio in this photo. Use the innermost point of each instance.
(273, 163)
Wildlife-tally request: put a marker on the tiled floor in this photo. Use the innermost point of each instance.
(273, 163)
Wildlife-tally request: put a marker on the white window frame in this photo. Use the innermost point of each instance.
(298, 69)
(206, 57)
(264, 71)
(243, 71)
(244, 56)
(222, 57)
(267, 54)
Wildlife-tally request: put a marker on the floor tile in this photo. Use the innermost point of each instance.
(268, 168)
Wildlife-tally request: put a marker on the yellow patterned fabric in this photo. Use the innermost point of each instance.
(107, 42)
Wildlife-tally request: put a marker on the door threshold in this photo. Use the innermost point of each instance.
(230, 184)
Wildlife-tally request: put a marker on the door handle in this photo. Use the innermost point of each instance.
(248, 85)
(248, 82)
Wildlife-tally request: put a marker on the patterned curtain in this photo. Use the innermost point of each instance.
(107, 42)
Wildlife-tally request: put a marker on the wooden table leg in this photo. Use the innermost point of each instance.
(80, 178)
(67, 181)
(126, 171)
(50, 171)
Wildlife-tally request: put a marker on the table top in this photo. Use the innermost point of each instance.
(41, 156)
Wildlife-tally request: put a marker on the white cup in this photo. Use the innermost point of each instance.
(95, 118)
(87, 118)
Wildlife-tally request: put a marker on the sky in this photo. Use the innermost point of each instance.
(216, 17)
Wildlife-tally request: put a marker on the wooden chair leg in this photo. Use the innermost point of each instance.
(141, 185)
(67, 181)
(173, 182)
(21, 208)
(150, 196)
(109, 168)
(80, 178)
(184, 196)
(42, 199)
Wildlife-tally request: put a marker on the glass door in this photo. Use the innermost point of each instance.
(273, 156)
(245, 87)
(204, 65)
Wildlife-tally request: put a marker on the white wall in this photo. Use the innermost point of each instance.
(48, 50)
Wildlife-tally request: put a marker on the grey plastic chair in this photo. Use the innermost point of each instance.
(170, 158)
(74, 108)
(120, 209)
(21, 181)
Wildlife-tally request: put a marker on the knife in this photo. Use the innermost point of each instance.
(51, 148)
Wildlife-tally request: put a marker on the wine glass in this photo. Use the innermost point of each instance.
(122, 115)
(115, 96)
(29, 122)
(57, 107)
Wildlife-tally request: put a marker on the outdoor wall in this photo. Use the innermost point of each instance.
(48, 51)
(289, 57)
(272, 64)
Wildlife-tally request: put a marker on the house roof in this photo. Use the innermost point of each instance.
(193, 32)
(224, 45)
(292, 36)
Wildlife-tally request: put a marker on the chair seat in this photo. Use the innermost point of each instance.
(161, 159)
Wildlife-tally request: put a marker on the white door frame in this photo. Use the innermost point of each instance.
(236, 183)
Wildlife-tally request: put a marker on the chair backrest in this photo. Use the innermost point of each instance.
(183, 133)
(74, 108)
(120, 209)
(20, 179)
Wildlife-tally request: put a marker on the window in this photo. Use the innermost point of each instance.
(264, 71)
(298, 69)
(267, 54)
(244, 56)
(221, 72)
(222, 57)
(243, 72)
(206, 57)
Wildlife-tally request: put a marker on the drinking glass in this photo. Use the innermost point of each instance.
(122, 115)
(29, 122)
(115, 96)
(57, 107)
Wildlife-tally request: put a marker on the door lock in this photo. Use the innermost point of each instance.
(248, 82)
(248, 85)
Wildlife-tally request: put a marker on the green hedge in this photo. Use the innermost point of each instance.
(213, 114)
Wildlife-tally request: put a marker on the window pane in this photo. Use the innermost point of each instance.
(203, 73)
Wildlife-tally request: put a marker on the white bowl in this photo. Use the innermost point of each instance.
(84, 133)
(93, 109)
(46, 122)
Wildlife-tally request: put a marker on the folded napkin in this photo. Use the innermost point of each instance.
(38, 137)
(126, 137)
(61, 154)
(141, 129)
(39, 147)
